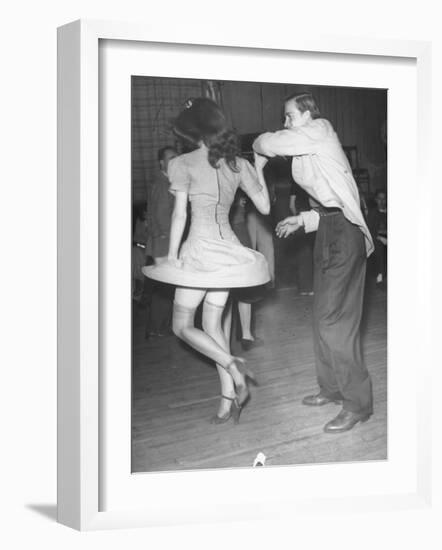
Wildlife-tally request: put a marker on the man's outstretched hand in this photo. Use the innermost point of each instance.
(288, 226)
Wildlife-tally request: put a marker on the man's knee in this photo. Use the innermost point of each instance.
(329, 325)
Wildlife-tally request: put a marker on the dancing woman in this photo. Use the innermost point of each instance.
(211, 260)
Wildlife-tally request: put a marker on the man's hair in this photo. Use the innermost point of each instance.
(305, 102)
(162, 152)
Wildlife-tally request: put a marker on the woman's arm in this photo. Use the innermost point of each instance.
(178, 224)
(261, 199)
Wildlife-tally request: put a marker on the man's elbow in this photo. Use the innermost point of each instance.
(259, 145)
(264, 145)
(266, 210)
(263, 209)
(256, 147)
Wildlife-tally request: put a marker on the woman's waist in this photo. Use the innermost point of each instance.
(209, 208)
(210, 228)
(211, 217)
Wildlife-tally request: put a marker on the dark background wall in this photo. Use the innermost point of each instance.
(358, 115)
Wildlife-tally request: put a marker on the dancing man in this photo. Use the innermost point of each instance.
(342, 245)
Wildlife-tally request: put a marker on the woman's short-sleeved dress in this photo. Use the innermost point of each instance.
(211, 256)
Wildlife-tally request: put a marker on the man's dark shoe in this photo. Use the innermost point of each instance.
(345, 421)
(318, 400)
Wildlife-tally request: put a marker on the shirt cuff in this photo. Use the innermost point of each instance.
(310, 220)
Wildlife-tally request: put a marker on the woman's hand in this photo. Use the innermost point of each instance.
(288, 226)
(260, 161)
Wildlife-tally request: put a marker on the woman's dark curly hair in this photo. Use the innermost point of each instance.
(203, 120)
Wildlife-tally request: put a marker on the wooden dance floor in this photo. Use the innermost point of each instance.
(175, 392)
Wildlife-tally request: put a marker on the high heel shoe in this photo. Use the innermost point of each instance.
(242, 390)
(240, 364)
(231, 413)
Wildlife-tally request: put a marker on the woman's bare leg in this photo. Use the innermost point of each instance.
(213, 325)
(211, 341)
(186, 302)
(217, 324)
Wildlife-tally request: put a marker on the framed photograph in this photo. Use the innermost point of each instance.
(171, 416)
(136, 446)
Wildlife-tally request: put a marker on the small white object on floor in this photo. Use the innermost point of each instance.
(260, 460)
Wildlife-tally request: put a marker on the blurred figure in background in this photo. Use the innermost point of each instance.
(377, 223)
(260, 230)
(159, 215)
(301, 202)
(278, 178)
(139, 240)
(244, 297)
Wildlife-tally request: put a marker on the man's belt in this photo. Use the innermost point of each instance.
(324, 211)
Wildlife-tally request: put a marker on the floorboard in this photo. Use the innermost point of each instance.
(175, 392)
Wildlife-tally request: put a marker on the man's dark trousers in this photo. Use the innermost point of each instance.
(339, 280)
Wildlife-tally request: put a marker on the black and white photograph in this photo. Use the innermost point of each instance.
(259, 274)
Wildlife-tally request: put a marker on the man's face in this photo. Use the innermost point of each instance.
(293, 116)
(381, 201)
(168, 156)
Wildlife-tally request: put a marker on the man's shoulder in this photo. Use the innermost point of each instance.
(318, 129)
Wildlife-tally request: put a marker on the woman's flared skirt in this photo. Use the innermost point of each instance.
(212, 263)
